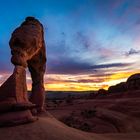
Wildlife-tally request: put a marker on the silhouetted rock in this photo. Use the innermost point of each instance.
(133, 82)
(121, 87)
(102, 91)
(28, 49)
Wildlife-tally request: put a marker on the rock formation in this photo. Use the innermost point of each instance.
(28, 50)
(14, 104)
(132, 83)
(121, 87)
(102, 91)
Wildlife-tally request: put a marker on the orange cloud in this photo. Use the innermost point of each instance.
(56, 82)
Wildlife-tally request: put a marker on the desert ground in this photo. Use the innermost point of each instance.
(102, 118)
(48, 128)
(116, 115)
(86, 115)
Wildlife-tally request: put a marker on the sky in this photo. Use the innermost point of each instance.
(91, 44)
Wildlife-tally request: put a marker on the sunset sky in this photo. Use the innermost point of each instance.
(91, 44)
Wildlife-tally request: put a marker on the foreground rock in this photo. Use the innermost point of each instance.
(14, 104)
(28, 49)
(48, 128)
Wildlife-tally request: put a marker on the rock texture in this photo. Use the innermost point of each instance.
(100, 115)
(44, 128)
(15, 86)
(28, 49)
(14, 104)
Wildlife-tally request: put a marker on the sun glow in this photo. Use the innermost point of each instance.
(83, 82)
(56, 82)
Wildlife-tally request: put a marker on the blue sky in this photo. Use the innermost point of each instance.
(83, 37)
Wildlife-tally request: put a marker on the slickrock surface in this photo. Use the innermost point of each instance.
(48, 128)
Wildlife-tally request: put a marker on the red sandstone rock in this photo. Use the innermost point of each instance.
(15, 86)
(26, 41)
(15, 118)
(14, 104)
(28, 49)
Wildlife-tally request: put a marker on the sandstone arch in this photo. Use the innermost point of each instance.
(28, 50)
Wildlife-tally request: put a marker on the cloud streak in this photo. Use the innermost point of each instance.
(70, 66)
(132, 52)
